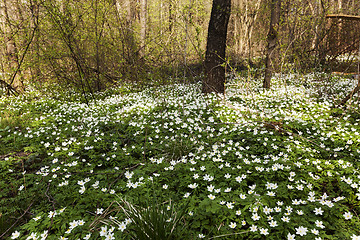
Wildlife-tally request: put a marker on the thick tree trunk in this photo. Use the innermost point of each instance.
(272, 39)
(9, 13)
(125, 9)
(216, 46)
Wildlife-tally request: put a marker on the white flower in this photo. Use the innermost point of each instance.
(290, 236)
(201, 235)
(110, 236)
(73, 224)
(122, 226)
(87, 237)
(103, 231)
(210, 188)
(193, 186)
(347, 215)
(128, 175)
(212, 197)
(232, 225)
(99, 211)
(255, 217)
(301, 231)
(354, 237)
(81, 182)
(32, 236)
(273, 223)
(315, 231)
(318, 211)
(186, 195)
(44, 235)
(253, 228)
(37, 218)
(82, 190)
(242, 196)
(319, 224)
(15, 235)
(230, 205)
(51, 214)
(271, 193)
(264, 231)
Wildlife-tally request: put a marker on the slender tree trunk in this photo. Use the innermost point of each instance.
(272, 39)
(340, 26)
(171, 15)
(143, 17)
(216, 47)
(34, 9)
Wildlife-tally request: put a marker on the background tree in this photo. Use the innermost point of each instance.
(272, 39)
(214, 80)
(90, 45)
(11, 18)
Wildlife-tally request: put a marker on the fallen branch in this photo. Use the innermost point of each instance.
(344, 16)
(356, 89)
(9, 88)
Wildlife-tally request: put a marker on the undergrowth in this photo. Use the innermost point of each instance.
(171, 163)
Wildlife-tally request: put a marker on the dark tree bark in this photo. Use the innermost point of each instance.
(216, 46)
(272, 40)
(171, 16)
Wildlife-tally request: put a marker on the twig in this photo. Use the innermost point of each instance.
(53, 205)
(2, 235)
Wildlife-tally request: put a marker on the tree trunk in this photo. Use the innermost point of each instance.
(9, 13)
(34, 9)
(216, 46)
(272, 39)
(171, 15)
(131, 50)
(143, 16)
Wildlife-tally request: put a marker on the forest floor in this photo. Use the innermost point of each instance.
(171, 163)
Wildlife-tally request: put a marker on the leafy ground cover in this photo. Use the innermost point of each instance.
(171, 163)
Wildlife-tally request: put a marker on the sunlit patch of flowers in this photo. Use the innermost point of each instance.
(262, 163)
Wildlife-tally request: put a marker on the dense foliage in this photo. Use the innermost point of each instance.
(172, 163)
